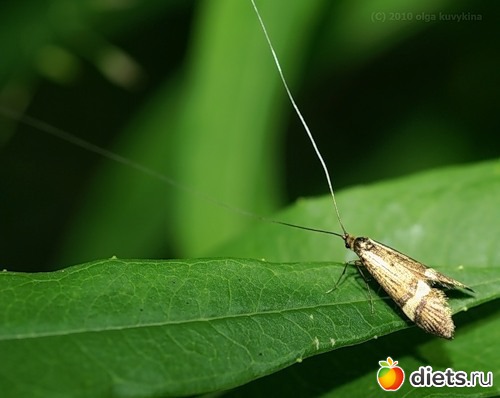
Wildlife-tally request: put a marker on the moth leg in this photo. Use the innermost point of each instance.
(359, 264)
(338, 280)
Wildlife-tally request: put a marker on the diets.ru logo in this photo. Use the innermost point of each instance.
(390, 377)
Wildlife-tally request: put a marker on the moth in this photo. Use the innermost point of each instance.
(407, 281)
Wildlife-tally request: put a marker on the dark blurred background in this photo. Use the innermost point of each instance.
(188, 88)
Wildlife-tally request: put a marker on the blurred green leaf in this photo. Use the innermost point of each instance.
(211, 113)
(213, 127)
(444, 216)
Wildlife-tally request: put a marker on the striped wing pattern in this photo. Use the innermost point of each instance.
(409, 283)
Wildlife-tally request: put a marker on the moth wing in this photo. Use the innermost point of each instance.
(407, 283)
(429, 309)
(423, 272)
(385, 266)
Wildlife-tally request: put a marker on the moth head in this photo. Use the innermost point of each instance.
(349, 241)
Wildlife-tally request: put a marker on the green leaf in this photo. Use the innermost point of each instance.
(181, 327)
(352, 371)
(155, 328)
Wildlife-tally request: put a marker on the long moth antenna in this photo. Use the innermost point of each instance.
(299, 114)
